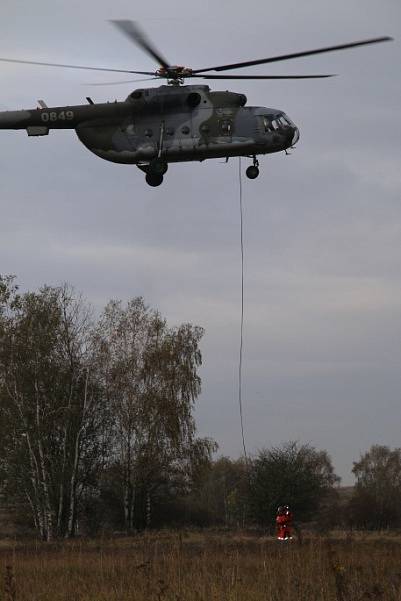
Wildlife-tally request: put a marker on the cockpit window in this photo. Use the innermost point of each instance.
(267, 124)
(270, 124)
(279, 121)
(288, 120)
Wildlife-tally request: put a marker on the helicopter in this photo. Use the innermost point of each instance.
(172, 123)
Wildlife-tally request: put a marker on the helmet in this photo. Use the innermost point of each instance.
(280, 509)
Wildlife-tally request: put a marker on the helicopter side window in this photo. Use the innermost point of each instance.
(226, 127)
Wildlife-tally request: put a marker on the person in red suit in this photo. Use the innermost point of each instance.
(284, 523)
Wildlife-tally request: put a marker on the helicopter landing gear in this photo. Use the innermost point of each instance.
(154, 171)
(154, 179)
(158, 166)
(253, 170)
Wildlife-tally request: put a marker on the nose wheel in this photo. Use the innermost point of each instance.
(252, 171)
(154, 172)
(154, 179)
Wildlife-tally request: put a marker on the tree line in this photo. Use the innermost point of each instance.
(97, 431)
(236, 493)
(87, 403)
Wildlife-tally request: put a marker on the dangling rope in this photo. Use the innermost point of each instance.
(242, 310)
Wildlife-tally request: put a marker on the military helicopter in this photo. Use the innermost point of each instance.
(175, 122)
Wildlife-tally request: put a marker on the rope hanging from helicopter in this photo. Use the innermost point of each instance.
(242, 310)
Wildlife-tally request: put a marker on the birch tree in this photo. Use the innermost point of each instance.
(52, 403)
(150, 372)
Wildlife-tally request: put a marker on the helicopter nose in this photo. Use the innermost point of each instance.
(295, 136)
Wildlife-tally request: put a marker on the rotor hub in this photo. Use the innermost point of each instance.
(175, 74)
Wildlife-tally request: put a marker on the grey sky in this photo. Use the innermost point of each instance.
(322, 349)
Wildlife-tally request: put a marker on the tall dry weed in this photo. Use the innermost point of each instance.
(204, 567)
(10, 588)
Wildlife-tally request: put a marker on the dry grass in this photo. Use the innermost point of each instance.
(207, 567)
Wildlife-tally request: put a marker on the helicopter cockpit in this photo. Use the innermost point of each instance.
(280, 123)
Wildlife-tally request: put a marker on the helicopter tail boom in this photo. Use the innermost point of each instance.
(39, 121)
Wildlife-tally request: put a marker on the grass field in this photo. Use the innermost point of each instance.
(210, 566)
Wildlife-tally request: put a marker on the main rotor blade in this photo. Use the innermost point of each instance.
(23, 62)
(135, 34)
(117, 83)
(285, 57)
(263, 76)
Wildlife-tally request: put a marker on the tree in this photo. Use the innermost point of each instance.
(220, 494)
(52, 406)
(150, 372)
(293, 474)
(376, 502)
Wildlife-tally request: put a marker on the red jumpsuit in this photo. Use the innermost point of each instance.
(284, 525)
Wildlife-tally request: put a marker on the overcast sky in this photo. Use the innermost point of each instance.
(322, 339)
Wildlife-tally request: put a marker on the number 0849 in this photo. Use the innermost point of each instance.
(54, 116)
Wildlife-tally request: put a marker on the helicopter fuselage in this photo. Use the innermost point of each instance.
(171, 123)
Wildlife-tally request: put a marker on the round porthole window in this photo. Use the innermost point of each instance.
(169, 131)
(148, 133)
(185, 129)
